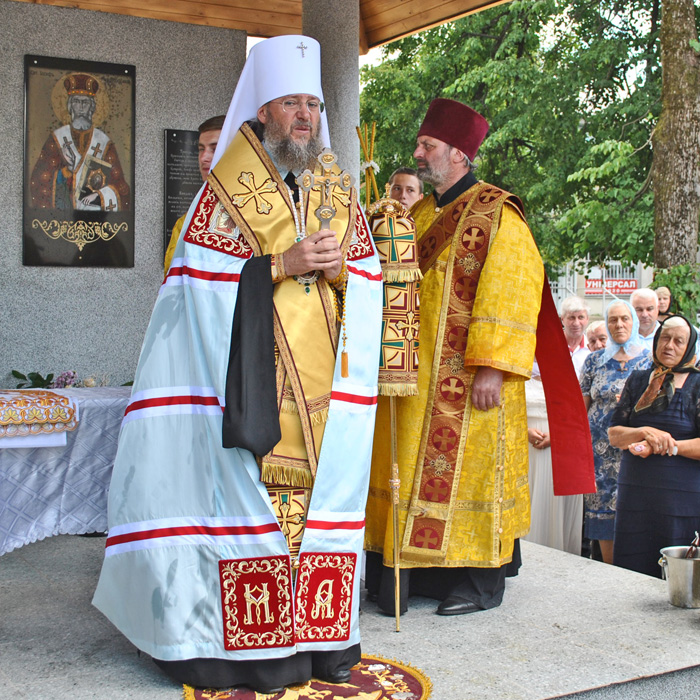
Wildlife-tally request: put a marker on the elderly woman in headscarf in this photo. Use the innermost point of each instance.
(603, 376)
(657, 423)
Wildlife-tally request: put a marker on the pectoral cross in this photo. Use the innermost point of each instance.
(96, 150)
(326, 182)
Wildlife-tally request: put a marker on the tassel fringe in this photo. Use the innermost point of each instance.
(319, 417)
(389, 389)
(286, 476)
(391, 273)
(289, 406)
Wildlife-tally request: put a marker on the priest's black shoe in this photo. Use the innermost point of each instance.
(339, 676)
(262, 690)
(454, 605)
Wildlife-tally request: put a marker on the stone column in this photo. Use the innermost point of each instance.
(336, 26)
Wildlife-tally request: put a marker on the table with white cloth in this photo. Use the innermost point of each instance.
(62, 490)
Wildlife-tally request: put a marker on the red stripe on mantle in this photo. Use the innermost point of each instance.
(353, 398)
(364, 273)
(191, 530)
(184, 270)
(173, 401)
(331, 525)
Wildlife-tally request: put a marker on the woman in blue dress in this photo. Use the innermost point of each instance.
(657, 423)
(603, 376)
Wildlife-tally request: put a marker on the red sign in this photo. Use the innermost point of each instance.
(612, 286)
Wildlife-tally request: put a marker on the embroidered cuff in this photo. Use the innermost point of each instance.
(277, 267)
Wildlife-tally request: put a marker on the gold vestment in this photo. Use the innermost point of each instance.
(477, 311)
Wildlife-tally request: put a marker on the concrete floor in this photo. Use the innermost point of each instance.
(568, 627)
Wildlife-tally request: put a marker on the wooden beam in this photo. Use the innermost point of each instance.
(388, 20)
(381, 21)
(364, 47)
(240, 16)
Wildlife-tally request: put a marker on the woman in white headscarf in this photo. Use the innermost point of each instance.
(603, 376)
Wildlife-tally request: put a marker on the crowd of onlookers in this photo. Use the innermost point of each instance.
(641, 388)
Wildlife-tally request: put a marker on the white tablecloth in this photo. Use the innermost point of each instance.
(63, 490)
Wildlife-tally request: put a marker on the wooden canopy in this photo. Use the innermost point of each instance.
(381, 21)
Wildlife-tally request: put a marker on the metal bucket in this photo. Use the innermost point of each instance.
(683, 576)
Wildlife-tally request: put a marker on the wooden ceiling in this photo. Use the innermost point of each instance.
(381, 20)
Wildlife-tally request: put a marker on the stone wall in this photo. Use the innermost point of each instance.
(92, 320)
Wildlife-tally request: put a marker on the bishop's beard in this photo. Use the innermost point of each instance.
(291, 154)
(81, 123)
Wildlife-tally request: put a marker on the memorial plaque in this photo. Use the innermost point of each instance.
(182, 177)
(78, 163)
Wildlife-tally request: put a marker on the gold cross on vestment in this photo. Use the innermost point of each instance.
(469, 263)
(254, 192)
(440, 465)
(327, 183)
(455, 363)
(473, 238)
(111, 206)
(96, 150)
(487, 196)
(285, 519)
(410, 326)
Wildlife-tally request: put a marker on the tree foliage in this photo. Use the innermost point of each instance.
(571, 89)
(684, 281)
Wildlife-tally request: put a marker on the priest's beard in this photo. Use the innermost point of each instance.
(291, 154)
(437, 173)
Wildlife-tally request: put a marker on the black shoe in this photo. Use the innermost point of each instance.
(453, 605)
(337, 677)
(268, 691)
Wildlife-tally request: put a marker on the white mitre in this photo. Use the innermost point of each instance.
(283, 65)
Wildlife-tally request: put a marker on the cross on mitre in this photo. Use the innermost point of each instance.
(302, 47)
(326, 182)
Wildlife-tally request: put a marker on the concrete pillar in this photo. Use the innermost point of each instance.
(336, 26)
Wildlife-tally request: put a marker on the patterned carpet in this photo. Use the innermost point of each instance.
(374, 678)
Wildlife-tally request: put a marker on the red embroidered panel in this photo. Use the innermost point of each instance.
(324, 596)
(256, 598)
(361, 245)
(212, 227)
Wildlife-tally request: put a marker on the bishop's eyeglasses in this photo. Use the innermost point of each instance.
(292, 105)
